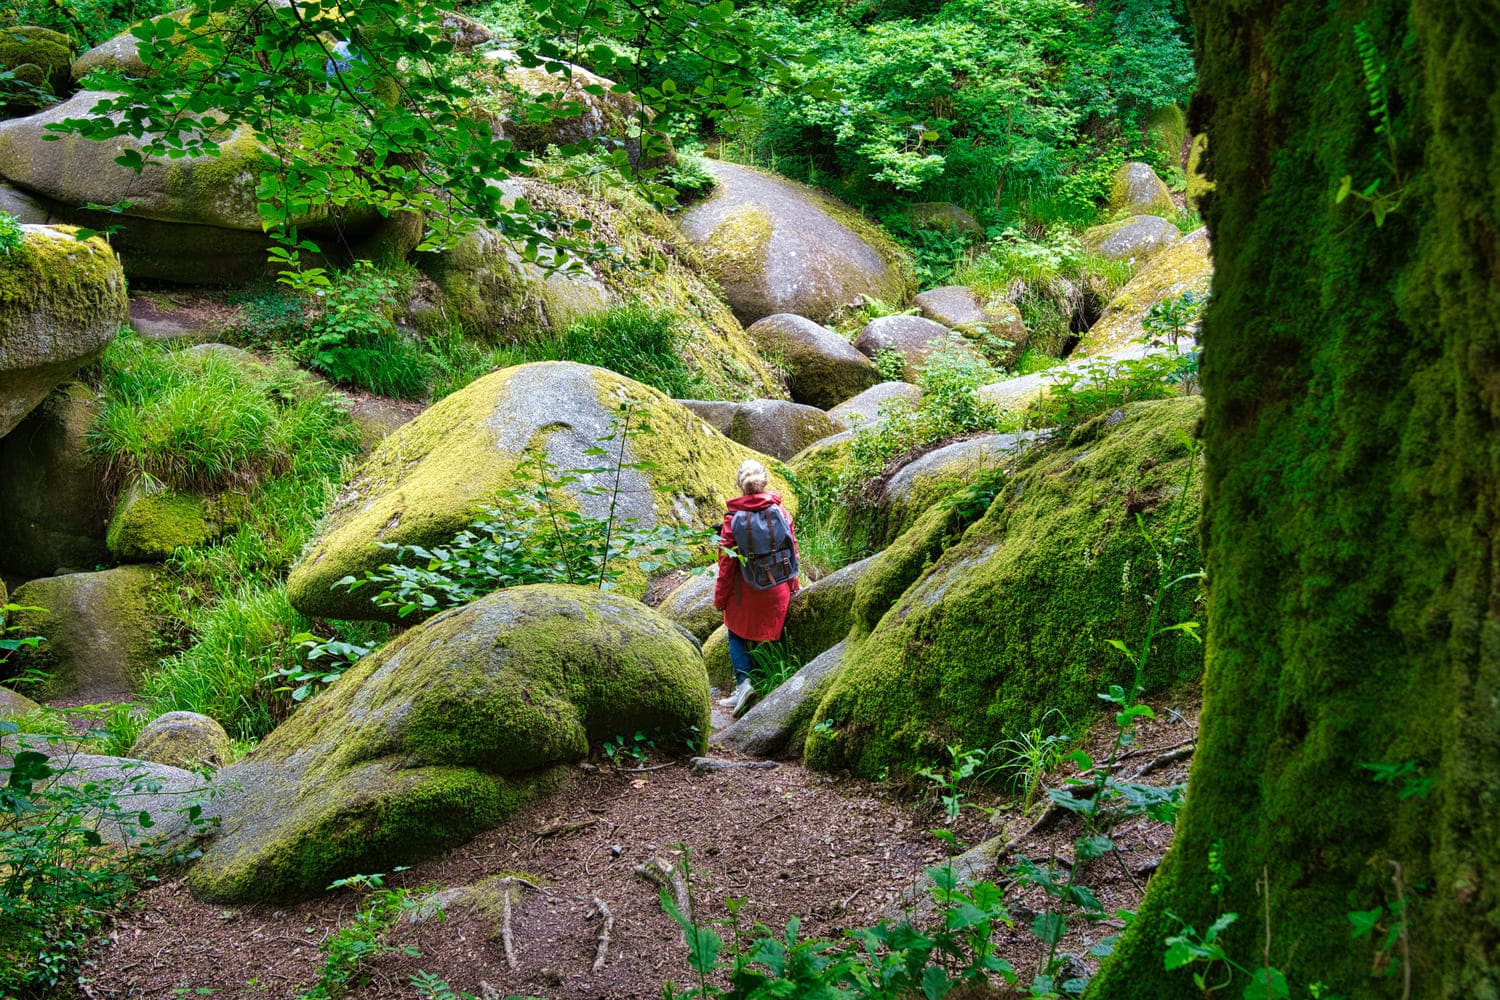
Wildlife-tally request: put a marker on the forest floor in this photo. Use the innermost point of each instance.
(836, 853)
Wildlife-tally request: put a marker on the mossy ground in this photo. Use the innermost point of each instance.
(1015, 618)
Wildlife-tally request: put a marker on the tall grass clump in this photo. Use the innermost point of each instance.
(637, 342)
(184, 421)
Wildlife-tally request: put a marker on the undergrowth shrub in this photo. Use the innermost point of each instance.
(1083, 392)
(1059, 287)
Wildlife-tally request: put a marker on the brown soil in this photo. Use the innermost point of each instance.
(834, 852)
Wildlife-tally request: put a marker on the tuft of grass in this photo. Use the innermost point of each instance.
(187, 421)
(639, 343)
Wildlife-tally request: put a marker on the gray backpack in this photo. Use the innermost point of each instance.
(763, 538)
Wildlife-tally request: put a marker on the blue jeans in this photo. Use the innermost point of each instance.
(739, 656)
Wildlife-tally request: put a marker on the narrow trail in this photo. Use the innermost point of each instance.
(835, 852)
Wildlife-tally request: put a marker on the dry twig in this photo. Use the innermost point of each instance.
(605, 928)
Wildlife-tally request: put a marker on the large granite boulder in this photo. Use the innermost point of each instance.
(163, 794)
(99, 632)
(871, 405)
(61, 302)
(422, 484)
(53, 501)
(940, 473)
(1185, 266)
(183, 739)
(776, 246)
(823, 369)
(1136, 190)
(571, 108)
(1016, 617)
(444, 732)
(192, 220)
(1136, 239)
(691, 604)
(961, 308)
(915, 338)
(14, 705)
(780, 429)
(36, 56)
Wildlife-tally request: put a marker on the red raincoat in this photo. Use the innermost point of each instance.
(751, 614)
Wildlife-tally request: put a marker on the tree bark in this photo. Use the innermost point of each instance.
(1352, 378)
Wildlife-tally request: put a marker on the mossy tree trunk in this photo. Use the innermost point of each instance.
(1352, 373)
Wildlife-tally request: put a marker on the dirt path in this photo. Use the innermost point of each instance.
(834, 852)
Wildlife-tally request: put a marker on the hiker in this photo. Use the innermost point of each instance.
(757, 574)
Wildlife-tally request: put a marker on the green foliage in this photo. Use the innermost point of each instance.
(341, 137)
(534, 533)
(690, 178)
(1086, 391)
(1172, 319)
(773, 664)
(891, 365)
(1379, 203)
(10, 235)
(1025, 759)
(311, 676)
(638, 342)
(620, 750)
(347, 949)
(58, 879)
(354, 339)
(89, 21)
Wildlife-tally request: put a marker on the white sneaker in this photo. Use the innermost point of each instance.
(736, 696)
(747, 695)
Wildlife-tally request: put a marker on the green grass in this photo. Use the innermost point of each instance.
(184, 420)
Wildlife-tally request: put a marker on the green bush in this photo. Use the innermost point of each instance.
(10, 235)
(88, 21)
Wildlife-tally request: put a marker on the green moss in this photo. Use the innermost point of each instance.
(1167, 129)
(1349, 524)
(51, 52)
(183, 740)
(422, 484)
(1014, 619)
(1185, 266)
(73, 284)
(148, 527)
(1198, 182)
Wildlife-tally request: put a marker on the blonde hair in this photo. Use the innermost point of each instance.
(752, 477)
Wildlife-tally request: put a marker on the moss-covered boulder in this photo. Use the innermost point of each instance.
(100, 636)
(776, 246)
(691, 604)
(487, 293)
(777, 724)
(1136, 239)
(943, 217)
(1136, 190)
(1167, 131)
(940, 473)
(62, 301)
(817, 617)
(446, 731)
(149, 525)
(823, 369)
(53, 501)
(183, 739)
(1015, 618)
(38, 56)
(422, 484)
(1185, 266)
(986, 320)
(875, 402)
